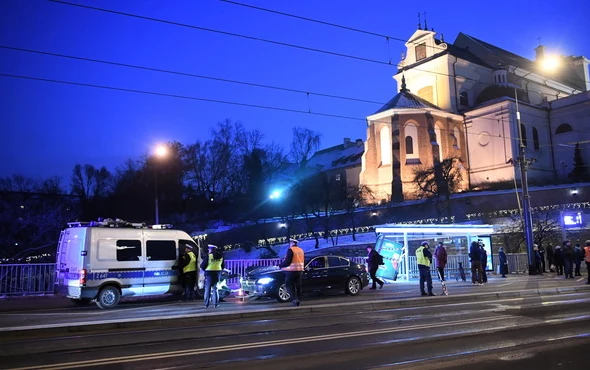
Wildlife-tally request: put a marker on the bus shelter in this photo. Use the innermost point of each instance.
(393, 242)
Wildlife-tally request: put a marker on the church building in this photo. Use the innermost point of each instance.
(477, 104)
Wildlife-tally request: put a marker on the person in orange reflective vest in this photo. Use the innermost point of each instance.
(587, 258)
(292, 267)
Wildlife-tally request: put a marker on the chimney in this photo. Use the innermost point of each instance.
(346, 142)
(540, 50)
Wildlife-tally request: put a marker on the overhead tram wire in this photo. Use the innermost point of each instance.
(186, 74)
(274, 42)
(113, 88)
(178, 96)
(221, 32)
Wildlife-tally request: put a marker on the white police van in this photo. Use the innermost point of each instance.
(107, 260)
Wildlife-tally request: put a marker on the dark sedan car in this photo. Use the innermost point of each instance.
(322, 273)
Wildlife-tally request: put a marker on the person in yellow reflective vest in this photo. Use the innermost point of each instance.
(212, 265)
(424, 258)
(292, 267)
(188, 264)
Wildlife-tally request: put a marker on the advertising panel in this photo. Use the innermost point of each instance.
(393, 254)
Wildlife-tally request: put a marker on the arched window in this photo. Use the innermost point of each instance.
(523, 134)
(536, 138)
(563, 128)
(385, 146)
(409, 145)
(438, 139)
(411, 141)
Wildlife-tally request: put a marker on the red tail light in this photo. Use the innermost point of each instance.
(83, 275)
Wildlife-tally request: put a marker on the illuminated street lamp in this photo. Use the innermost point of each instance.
(161, 151)
(277, 195)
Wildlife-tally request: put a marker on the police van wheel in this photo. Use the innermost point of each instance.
(108, 297)
(283, 294)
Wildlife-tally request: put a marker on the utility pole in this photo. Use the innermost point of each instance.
(526, 201)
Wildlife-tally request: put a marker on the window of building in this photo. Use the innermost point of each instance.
(426, 94)
(536, 138)
(420, 51)
(523, 134)
(128, 250)
(438, 139)
(160, 250)
(409, 145)
(385, 146)
(337, 177)
(411, 141)
(563, 128)
(463, 98)
(456, 136)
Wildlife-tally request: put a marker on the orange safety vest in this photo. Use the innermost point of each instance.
(587, 255)
(297, 261)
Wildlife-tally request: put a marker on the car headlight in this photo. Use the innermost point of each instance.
(264, 280)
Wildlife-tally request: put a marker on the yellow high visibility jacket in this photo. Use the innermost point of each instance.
(192, 265)
(214, 265)
(422, 260)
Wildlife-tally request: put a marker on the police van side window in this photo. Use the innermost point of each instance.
(128, 250)
(161, 250)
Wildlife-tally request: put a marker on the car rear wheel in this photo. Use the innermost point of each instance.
(283, 294)
(353, 285)
(108, 297)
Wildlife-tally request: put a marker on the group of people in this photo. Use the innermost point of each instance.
(212, 264)
(563, 259)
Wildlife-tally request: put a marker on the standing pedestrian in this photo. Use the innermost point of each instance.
(475, 259)
(587, 259)
(213, 265)
(483, 255)
(503, 262)
(567, 252)
(578, 257)
(374, 259)
(292, 267)
(537, 258)
(542, 253)
(558, 259)
(188, 265)
(424, 258)
(550, 259)
(440, 259)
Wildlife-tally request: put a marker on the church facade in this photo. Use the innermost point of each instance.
(477, 104)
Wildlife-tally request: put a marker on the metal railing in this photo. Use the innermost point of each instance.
(36, 279)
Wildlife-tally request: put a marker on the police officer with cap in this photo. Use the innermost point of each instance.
(292, 267)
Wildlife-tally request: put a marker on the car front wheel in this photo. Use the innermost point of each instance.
(353, 285)
(283, 294)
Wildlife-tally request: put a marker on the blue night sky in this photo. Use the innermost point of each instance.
(49, 127)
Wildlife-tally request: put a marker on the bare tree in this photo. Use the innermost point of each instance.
(89, 182)
(356, 196)
(304, 144)
(440, 181)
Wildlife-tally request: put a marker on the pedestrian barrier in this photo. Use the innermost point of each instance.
(38, 278)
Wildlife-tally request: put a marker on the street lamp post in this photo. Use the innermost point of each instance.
(526, 201)
(161, 152)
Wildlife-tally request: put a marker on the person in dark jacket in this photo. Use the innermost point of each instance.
(568, 259)
(373, 266)
(484, 263)
(558, 259)
(212, 265)
(550, 259)
(440, 259)
(424, 258)
(542, 253)
(578, 257)
(537, 259)
(475, 259)
(188, 266)
(503, 262)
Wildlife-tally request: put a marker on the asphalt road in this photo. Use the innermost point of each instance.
(532, 322)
